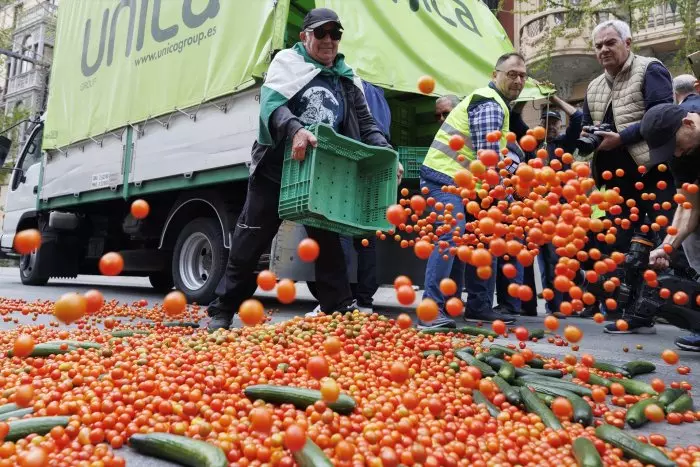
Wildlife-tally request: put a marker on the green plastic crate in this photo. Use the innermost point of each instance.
(342, 185)
(412, 158)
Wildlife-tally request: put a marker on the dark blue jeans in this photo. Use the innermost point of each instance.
(546, 260)
(502, 282)
(366, 286)
(437, 267)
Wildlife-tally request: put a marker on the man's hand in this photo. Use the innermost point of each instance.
(659, 259)
(610, 140)
(399, 173)
(301, 140)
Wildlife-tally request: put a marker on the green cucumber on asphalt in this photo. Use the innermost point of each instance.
(639, 367)
(480, 398)
(128, 332)
(470, 330)
(534, 363)
(536, 334)
(311, 456)
(431, 353)
(473, 361)
(599, 380)
(179, 449)
(546, 398)
(507, 371)
(11, 407)
(534, 405)
(611, 368)
(19, 413)
(181, 324)
(585, 453)
(636, 388)
(40, 425)
(680, 405)
(669, 395)
(583, 413)
(511, 393)
(635, 416)
(554, 383)
(632, 447)
(301, 398)
(46, 350)
(79, 344)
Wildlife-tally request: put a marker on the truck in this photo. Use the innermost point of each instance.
(159, 100)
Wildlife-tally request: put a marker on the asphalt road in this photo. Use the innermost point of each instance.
(604, 347)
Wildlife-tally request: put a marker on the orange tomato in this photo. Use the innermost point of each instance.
(528, 143)
(426, 84)
(573, 334)
(454, 306)
(111, 264)
(286, 291)
(175, 303)
(308, 250)
(330, 391)
(404, 321)
(24, 395)
(27, 241)
(396, 214)
(23, 345)
(260, 420)
(266, 280)
(562, 408)
(94, 301)
(251, 312)
(317, 367)
(70, 307)
(654, 413)
(670, 357)
(448, 287)
(294, 437)
(399, 372)
(140, 209)
(427, 310)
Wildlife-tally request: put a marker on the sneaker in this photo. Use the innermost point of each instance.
(588, 312)
(691, 342)
(442, 321)
(220, 319)
(504, 310)
(316, 312)
(636, 326)
(491, 315)
(367, 310)
(556, 314)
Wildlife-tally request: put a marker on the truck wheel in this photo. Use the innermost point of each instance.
(29, 269)
(199, 260)
(161, 281)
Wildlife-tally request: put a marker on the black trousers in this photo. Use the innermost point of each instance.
(256, 227)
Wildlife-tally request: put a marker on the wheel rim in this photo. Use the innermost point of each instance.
(27, 263)
(195, 261)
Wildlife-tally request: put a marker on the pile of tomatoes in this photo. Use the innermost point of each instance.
(410, 408)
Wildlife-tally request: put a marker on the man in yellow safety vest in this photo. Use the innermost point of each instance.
(484, 111)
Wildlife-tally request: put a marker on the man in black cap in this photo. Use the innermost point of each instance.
(306, 84)
(673, 136)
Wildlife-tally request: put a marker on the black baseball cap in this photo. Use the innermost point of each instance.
(320, 16)
(551, 115)
(659, 127)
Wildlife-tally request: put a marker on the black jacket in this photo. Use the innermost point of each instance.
(357, 124)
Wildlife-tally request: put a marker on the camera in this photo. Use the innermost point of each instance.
(589, 143)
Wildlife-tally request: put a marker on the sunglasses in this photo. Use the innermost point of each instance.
(320, 32)
(441, 116)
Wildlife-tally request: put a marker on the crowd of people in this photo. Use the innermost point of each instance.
(636, 112)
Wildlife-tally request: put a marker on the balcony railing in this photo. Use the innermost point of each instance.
(32, 78)
(42, 11)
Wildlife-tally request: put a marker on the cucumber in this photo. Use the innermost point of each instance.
(583, 413)
(611, 368)
(537, 371)
(181, 324)
(546, 398)
(639, 367)
(471, 330)
(469, 350)
(669, 395)
(19, 413)
(636, 388)
(635, 415)
(311, 456)
(512, 395)
(534, 363)
(11, 407)
(46, 350)
(536, 334)
(507, 371)
(680, 405)
(128, 332)
(179, 449)
(599, 380)
(300, 397)
(632, 447)
(535, 405)
(39, 425)
(554, 383)
(472, 360)
(431, 353)
(79, 344)
(480, 398)
(585, 453)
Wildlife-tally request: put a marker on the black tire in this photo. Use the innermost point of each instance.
(197, 287)
(30, 271)
(161, 281)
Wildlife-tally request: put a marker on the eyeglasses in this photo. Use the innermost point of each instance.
(513, 75)
(441, 116)
(320, 32)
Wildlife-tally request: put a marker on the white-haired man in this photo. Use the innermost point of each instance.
(685, 92)
(629, 86)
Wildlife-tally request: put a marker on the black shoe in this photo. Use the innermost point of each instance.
(556, 314)
(220, 317)
(488, 316)
(636, 326)
(505, 310)
(589, 312)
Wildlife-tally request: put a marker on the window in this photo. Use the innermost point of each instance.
(31, 156)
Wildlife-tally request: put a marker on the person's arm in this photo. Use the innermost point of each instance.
(657, 89)
(563, 105)
(485, 118)
(369, 131)
(573, 131)
(587, 119)
(686, 221)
